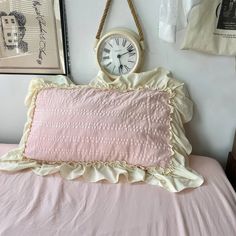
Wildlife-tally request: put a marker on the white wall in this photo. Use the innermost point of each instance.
(210, 79)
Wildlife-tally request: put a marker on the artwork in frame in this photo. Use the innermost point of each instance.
(33, 37)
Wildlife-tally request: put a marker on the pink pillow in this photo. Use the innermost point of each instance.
(97, 125)
(131, 127)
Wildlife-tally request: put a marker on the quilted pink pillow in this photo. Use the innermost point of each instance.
(131, 127)
(92, 125)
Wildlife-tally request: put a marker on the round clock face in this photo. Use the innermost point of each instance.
(118, 55)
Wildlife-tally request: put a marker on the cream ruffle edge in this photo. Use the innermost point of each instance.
(174, 179)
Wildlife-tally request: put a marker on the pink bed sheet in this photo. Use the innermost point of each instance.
(34, 205)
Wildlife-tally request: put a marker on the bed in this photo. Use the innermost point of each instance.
(34, 205)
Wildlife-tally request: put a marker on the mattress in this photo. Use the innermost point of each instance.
(34, 205)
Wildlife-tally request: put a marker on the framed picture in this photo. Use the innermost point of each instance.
(33, 37)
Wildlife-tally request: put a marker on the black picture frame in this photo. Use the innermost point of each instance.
(61, 40)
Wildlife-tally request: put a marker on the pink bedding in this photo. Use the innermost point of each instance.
(104, 120)
(33, 205)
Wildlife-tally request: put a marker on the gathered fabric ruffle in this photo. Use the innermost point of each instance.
(176, 177)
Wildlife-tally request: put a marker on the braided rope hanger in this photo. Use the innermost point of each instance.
(134, 14)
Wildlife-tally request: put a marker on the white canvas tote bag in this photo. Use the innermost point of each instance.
(212, 28)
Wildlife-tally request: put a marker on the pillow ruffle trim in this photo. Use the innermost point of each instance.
(174, 178)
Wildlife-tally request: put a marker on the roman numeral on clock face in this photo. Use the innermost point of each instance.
(106, 50)
(107, 65)
(110, 45)
(106, 58)
(131, 54)
(117, 41)
(124, 42)
(130, 48)
(127, 68)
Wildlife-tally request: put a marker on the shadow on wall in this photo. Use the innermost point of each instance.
(200, 142)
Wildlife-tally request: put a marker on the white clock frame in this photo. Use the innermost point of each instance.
(132, 37)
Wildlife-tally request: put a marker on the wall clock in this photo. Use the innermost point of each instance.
(120, 51)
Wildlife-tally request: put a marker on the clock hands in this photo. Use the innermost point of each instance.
(120, 55)
(121, 66)
(120, 69)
